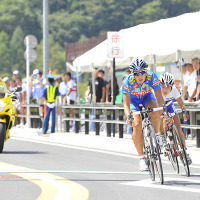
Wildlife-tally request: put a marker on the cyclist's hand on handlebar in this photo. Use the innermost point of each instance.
(130, 119)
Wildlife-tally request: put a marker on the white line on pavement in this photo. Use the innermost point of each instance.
(178, 181)
(89, 149)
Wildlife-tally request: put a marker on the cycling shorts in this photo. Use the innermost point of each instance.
(135, 102)
(170, 107)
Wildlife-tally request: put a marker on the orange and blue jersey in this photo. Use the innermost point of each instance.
(140, 94)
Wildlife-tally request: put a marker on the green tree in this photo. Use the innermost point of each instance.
(194, 5)
(56, 57)
(149, 12)
(17, 49)
(4, 54)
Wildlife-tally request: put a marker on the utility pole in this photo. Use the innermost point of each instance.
(45, 38)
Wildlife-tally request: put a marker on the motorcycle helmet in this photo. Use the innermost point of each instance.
(138, 64)
(167, 79)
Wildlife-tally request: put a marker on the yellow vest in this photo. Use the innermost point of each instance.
(51, 90)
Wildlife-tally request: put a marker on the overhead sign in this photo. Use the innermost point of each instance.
(115, 44)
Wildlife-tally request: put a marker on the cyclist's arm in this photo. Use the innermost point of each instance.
(181, 103)
(126, 102)
(159, 97)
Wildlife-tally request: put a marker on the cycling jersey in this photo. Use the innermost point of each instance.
(140, 94)
(172, 96)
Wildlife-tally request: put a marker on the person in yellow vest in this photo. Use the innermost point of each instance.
(49, 94)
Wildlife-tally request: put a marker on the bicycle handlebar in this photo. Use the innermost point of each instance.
(148, 110)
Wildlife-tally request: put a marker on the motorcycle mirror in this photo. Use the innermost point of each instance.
(18, 89)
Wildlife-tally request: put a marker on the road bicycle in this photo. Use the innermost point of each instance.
(174, 147)
(152, 149)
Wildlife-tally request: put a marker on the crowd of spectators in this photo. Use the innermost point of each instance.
(190, 87)
(191, 80)
(36, 86)
(102, 87)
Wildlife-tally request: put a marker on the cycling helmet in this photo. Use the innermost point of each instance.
(167, 79)
(137, 64)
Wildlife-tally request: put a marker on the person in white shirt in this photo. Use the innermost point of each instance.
(71, 94)
(191, 82)
(22, 99)
(170, 94)
(63, 88)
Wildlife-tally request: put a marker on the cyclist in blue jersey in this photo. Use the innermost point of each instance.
(137, 89)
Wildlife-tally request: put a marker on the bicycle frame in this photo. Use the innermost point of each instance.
(178, 146)
(151, 147)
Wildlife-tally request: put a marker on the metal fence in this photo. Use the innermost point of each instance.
(101, 116)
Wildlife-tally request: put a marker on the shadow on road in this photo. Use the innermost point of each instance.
(23, 152)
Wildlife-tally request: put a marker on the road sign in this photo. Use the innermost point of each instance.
(115, 44)
(30, 40)
(32, 55)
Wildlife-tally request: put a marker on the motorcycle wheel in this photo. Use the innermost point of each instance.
(2, 136)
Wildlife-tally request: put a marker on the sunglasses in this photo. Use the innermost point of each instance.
(139, 73)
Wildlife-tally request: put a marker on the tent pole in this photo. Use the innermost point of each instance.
(77, 86)
(180, 60)
(93, 86)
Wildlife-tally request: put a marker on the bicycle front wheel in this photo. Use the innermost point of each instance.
(172, 151)
(148, 147)
(182, 151)
(156, 157)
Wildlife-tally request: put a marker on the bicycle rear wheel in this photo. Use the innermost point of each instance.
(156, 157)
(148, 152)
(182, 151)
(172, 151)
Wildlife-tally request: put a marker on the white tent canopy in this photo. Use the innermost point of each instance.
(157, 42)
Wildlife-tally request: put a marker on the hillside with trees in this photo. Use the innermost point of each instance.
(72, 21)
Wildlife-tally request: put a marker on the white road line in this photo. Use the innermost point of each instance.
(153, 184)
(89, 149)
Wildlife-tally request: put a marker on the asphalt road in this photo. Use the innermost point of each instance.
(102, 176)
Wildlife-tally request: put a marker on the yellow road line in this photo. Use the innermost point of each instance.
(53, 187)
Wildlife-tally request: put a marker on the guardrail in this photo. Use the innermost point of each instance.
(98, 109)
(103, 114)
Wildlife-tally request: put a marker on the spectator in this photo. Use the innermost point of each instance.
(186, 75)
(196, 67)
(63, 88)
(38, 83)
(17, 105)
(191, 82)
(22, 99)
(99, 87)
(16, 74)
(108, 88)
(101, 74)
(87, 96)
(7, 82)
(49, 94)
(71, 94)
(12, 85)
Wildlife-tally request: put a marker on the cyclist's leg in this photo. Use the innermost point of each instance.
(137, 134)
(178, 126)
(150, 101)
(171, 109)
(137, 128)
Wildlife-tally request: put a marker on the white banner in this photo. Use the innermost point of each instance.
(115, 44)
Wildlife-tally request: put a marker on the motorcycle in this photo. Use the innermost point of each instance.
(7, 112)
